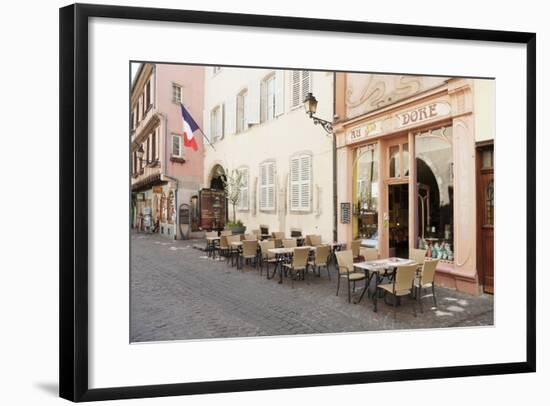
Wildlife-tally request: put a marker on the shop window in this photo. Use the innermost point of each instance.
(365, 208)
(406, 159)
(434, 167)
(395, 167)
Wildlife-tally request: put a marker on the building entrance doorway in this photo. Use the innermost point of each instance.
(398, 220)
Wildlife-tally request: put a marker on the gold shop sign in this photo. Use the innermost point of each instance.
(421, 114)
(364, 131)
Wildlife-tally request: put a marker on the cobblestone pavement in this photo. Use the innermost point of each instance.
(177, 293)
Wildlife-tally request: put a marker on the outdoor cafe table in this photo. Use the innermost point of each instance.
(378, 266)
(279, 254)
(211, 245)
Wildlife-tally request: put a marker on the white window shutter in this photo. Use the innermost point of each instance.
(253, 103)
(296, 88)
(271, 187)
(305, 181)
(279, 92)
(295, 184)
(221, 121)
(306, 83)
(230, 116)
(263, 186)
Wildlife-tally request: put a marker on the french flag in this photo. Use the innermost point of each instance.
(189, 127)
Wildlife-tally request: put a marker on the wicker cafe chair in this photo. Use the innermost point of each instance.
(401, 285)
(426, 280)
(418, 256)
(249, 252)
(321, 259)
(250, 236)
(346, 271)
(257, 233)
(356, 250)
(226, 232)
(225, 249)
(368, 254)
(267, 257)
(315, 240)
(298, 264)
(289, 243)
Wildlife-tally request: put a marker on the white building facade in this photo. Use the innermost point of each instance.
(257, 124)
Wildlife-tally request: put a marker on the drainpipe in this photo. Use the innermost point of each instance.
(334, 167)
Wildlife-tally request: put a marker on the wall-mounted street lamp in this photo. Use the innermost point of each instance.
(139, 154)
(310, 105)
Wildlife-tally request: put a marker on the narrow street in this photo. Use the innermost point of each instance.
(178, 293)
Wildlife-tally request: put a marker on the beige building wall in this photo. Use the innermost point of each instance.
(289, 133)
(484, 104)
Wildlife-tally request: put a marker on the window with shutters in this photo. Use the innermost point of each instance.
(267, 186)
(177, 150)
(300, 182)
(154, 156)
(177, 93)
(244, 195)
(301, 86)
(268, 98)
(147, 95)
(216, 123)
(242, 123)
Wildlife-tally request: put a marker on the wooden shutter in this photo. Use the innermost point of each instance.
(253, 103)
(295, 184)
(279, 92)
(263, 186)
(306, 84)
(296, 88)
(243, 198)
(305, 182)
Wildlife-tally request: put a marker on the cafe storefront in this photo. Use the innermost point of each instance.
(406, 156)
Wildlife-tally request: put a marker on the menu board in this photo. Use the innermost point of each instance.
(212, 207)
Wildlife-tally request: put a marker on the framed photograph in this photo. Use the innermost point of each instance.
(255, 202)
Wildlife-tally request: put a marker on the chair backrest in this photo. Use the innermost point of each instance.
(265, 245)
(428, 271)
(211, 234)
(370, 254)
(250, 247)
(289, 243)
(264, 229)
(295, 232)
(226, 232)
(345, 259)
(278, 235)
(257, 233)
(300, 257)
(315, 240)
(278, 242)
(307, 240)
(224, 242)
(355, 245)
(241, 236)
(321, 254)
(250, 236)
(233, 238)
(417, 255)
(404, 278)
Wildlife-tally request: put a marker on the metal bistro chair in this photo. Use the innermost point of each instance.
(250, 236)
(225, 249)
(226, 232)
(249, 252)
(401, 285)
(211, 245)
(426, 280)
(321, 259)
(298, 264)
(267, 257)
(315, 240)
(233, 251)
(368, 254)
(346, 271)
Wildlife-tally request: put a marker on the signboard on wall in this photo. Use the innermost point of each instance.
(345, 213)
(212, 205)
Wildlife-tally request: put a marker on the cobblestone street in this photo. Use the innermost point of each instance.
(177, 293)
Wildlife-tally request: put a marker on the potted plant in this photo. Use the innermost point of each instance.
(233, 181)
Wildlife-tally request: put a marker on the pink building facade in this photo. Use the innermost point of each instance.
(166, 175)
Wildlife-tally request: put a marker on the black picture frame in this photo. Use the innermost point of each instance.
(73, 276)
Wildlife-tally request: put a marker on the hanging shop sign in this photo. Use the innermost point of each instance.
(421, 114)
